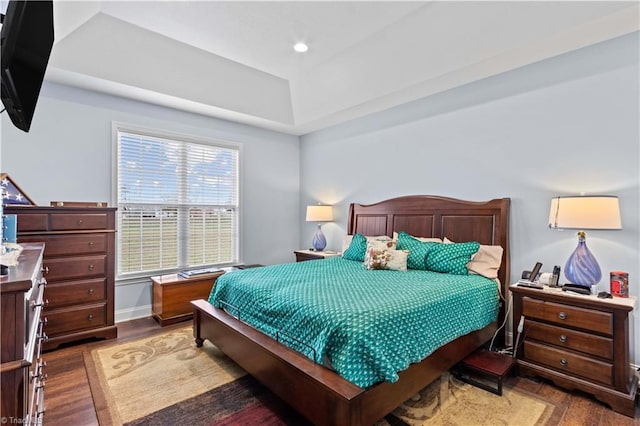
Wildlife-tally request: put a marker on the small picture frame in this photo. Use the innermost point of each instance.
(12, 194)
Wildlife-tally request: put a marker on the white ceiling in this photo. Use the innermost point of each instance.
(235, 60)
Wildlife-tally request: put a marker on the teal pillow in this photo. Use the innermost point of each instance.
(418, 250)
(451, 258)
(357, 249)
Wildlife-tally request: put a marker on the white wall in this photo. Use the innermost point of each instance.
(67, 155)
(564, 126)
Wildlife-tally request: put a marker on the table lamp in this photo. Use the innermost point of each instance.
(319, 214)
(584, 212)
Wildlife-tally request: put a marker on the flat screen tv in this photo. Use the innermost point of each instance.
(26, 42)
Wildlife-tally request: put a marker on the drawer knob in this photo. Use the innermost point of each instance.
(91, 243)
(563, 338)
(562, 315)
(91, 267)
(44, 303)
(90, 291)
(80, 221)
(90, 317)
(563, 362)
(45, 270)
(44, 321)
(42, 282)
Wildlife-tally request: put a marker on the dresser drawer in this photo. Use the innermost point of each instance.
(56, 245)
(565, 315)
(33, 222)
(75, 267)
(569, 362)
(68, 320)
(76, 292)
(571, 339)
(65, 221)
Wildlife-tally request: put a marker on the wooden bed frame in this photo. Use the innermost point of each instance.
(320, 394)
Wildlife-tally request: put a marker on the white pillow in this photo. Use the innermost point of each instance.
(486, 261)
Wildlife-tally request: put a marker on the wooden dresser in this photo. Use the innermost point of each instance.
(79, 265)
(22, 370)
(578, 342)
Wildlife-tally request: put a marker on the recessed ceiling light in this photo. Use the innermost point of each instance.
(300, 47)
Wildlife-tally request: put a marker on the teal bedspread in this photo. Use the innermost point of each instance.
(365, 324)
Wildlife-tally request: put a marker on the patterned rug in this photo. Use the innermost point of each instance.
(165, 379)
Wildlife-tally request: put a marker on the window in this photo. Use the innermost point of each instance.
(177, 203)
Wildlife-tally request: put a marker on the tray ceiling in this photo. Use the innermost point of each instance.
(235, 60)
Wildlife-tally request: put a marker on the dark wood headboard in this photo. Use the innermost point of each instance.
(486, 222)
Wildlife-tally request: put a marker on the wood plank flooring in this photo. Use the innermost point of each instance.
(68, 397)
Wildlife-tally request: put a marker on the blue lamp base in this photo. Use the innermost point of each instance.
(319, 241)
(581, 267)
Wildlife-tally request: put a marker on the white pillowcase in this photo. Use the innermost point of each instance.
(486, 261)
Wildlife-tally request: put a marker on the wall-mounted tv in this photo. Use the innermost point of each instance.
(26, 42)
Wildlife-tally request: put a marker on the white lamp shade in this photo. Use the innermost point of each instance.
(589, 212)
(319, 213)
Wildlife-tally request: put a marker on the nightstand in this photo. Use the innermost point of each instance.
(302, 255)
(578, 342)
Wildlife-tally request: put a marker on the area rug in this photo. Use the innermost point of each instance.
(166, 379)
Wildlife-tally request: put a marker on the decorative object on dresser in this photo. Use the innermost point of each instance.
(302, 255)
(12, 194)
(172, 294)
(22, 370)
(587, 212)
(319, 214)
(578, 342)
(78, 263)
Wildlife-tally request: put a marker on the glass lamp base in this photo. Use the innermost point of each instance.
(319, 241)
(581, 267)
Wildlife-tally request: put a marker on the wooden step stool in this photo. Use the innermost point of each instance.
(489, 365)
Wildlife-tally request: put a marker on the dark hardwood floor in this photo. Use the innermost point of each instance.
(68, 398)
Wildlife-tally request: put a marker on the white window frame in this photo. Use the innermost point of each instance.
(118, 127)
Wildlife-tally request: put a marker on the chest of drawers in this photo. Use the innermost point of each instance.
(578, 342)
(22, 372)
(79, 268)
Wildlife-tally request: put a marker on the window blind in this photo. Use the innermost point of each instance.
(177, 204)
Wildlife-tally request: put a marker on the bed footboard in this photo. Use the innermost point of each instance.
(318, 393)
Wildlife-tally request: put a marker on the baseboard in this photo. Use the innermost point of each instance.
(132, 313)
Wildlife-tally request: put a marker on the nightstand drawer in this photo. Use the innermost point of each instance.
(570, 339)
(565, 315)
(569, 362)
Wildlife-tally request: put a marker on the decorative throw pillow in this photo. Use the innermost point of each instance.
(417, 250)
(486, 261)
(357, 248)
(451, 258)
(346, 241)
(395, 260)
(378, 245)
